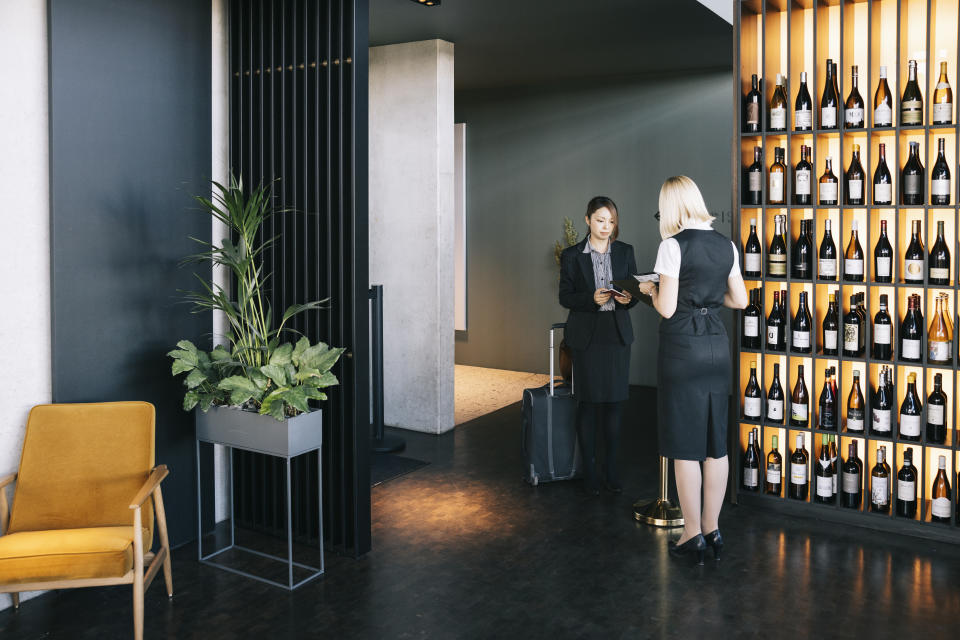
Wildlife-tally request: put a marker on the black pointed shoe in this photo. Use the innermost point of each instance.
(696, 546)
(715, 541)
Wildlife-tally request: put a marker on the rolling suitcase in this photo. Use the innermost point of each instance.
(549, 430)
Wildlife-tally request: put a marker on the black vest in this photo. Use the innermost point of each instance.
(706, 258)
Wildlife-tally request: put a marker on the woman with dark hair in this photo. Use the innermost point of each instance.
(599, 334)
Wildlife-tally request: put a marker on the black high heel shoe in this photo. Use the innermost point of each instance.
(695, 545)
(715, 540)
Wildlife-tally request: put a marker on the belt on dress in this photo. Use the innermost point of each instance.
(702, 318)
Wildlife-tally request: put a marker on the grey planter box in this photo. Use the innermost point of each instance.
(251, 431)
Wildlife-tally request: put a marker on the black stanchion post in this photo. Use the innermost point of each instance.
(380, 442)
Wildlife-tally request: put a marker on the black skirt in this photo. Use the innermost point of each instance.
(601, 372)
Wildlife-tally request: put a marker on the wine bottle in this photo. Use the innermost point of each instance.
(801, 327)
(852, 482)
(778, 107)
(945, 303)
(751, 322)
(822, 473)
(862, 333)
(880, 484)
(803, 107)
(752, 252)
(752, 398)
(784, 321)
(751, 467)
(754, 182)
(913, 258)
(799, 402)
(911, 104)
(776, 325)
(940, 177)
(855, 406)
(774, 481)
(828, 185)
(830, 101)
(798, 471)
(917, 304)
(939, 340)
(907, 486)
(940, 507)
(853, 258)
(827, 263)
(882, 409)
(778, 171)
(834, 468)
(757, 453)
(910, 411)
(853, 109)
(882, 332)
(882, 180)
(853, 180)
(827, 414)
(777, 255)
(883, 102)
(752, 110)
(831, 327)
(910, 333)
(943, 98)
(775, 398)
(936, 412)
(911, 178)
(803, 177)
(801, 267)
(883, 257)
(851, 330)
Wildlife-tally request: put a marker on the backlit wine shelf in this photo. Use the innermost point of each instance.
(846, 200)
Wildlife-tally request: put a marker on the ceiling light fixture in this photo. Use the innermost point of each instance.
(428, 3)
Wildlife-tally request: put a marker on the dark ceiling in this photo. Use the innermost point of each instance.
(503, 43)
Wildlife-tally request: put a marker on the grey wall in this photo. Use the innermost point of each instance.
(539, 154)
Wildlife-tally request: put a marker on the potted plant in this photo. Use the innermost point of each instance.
(255, 391)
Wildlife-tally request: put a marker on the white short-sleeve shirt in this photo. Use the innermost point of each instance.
(668, 255)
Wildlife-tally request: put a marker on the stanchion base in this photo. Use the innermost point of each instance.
(388, 444)
(657, 512)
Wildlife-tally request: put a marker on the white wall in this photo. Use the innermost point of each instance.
(24, 191)
(412, 228)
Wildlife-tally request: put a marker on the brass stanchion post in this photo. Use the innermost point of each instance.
(659, 512)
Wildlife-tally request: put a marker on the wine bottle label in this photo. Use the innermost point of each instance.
(913, 270)
(911, 112)
(882, 193)
(751, 408)
(909, 425)
(751, 477)
(826, 416)
(941, 507)
(935, 414)
(776, 187)
(938, 273)
(828, 192)
(881, 334)
(942, 112)
(751, 262)
(801, 339)
(884, 267)
(911, 184)
(851, 337)
(778, 118)
(854, 419)
(803, 182)
(907, 490)
(778, 264)
(754, 181)
(828, 267)
(773, 472)
(938, 351)
(854, 116)
(751, 326)
(804, 118)
(798, 474)
(882, 115)
(911, 349)
(824, 487)
(939, 187)
(775, 410)
(798, 411)
(880, 491)
(881, 420)
(853, 266)
(830, 339)
(833, 480)
(851, 482)
(773, 335)
(828, 117)
(753, 113)
(855, 189)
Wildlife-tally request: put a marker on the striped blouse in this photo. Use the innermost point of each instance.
(602, 272)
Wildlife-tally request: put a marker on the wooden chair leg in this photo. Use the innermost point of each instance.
(16, 599)
(137, 576)
(164, 540)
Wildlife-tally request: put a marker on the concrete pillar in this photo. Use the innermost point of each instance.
(412, 228)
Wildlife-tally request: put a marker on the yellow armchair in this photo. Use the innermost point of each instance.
(84, 505)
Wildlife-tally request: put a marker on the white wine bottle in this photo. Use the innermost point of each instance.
(943, 98)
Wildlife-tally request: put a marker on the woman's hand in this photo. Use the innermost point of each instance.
(648, 288)
(624, 297)
(600, 297)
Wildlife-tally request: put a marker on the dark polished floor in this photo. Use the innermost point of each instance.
(463, 549)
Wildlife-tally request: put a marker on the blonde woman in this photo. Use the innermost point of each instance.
(699, 273)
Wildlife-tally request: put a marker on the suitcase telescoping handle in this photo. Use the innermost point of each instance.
(556, 325)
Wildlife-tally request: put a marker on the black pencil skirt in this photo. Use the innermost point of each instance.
(601, 372)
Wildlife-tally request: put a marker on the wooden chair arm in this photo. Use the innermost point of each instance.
(156, 477)
(7, 479)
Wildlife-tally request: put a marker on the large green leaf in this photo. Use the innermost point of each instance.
(274, 405)
(296, 398)
(313, 393)
(195, 379)
(282, 355)
(302, 345)
(180, 366)
(276, 373)
(241, 389)
(258, 379)
(320, 357)
(190, 400)
(220, 353)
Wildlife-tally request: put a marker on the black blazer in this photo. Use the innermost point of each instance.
(577, 287)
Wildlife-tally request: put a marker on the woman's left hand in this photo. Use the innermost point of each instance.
(624, 297)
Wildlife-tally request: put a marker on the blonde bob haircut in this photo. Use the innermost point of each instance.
(681, 206)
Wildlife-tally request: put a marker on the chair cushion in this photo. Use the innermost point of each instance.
(66, 554)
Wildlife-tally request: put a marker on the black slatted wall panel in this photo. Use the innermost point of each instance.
(298, 108)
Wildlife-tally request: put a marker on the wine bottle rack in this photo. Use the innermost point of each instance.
(787, 37)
